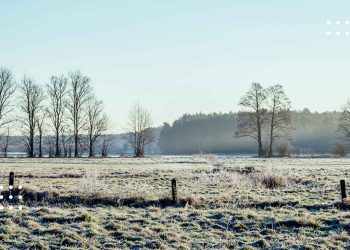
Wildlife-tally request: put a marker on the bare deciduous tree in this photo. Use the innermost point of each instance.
(140, 131)
(57, 90)
(96, 123)
(253, 117)
(107, 140)
(339, 149)
(279, 115)
(7, 89)
(31, 98)
(107, 143)
(78, 95)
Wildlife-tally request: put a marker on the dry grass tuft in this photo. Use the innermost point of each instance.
(273, 181)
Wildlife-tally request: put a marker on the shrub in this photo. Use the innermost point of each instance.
(339, 149)
(273, 181)
(283, 149)
(265, 150)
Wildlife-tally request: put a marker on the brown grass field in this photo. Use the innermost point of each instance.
(224, 203)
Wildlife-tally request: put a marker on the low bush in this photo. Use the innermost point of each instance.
(339, 150)
(272, 181)
(283, 149)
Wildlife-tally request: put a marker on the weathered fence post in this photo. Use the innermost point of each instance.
(11, 180)
(343, 189)
(11, 184)
(174, 190)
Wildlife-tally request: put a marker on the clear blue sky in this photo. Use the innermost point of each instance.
(184, 55)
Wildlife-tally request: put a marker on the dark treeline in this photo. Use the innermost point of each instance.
(311, 133)
(209, 133)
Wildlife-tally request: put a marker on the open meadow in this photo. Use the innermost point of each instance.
(223, 203)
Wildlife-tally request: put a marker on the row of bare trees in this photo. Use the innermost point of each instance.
(264, 116)
(65, 107)
(67, 111)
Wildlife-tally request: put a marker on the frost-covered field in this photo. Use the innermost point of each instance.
(223, 203)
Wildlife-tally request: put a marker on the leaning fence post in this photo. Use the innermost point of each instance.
(343, 189)
(174, 190)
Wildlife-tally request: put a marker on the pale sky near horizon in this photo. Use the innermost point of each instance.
(183, 56)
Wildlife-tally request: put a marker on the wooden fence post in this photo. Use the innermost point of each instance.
(174, 190)
(11, 184)
(12, 179)
(343, 189)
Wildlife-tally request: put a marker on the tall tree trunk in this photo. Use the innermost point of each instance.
(6, 148)
(272, 128)
(260, 145)
(139, 152)
(40, 145)
(31, 145)
(271, 146)
(7, 142)
(57, 153)
(5, 152)
(271, 135)
(104, 151)
(91, 149)
(260, 153)
(76, 145)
